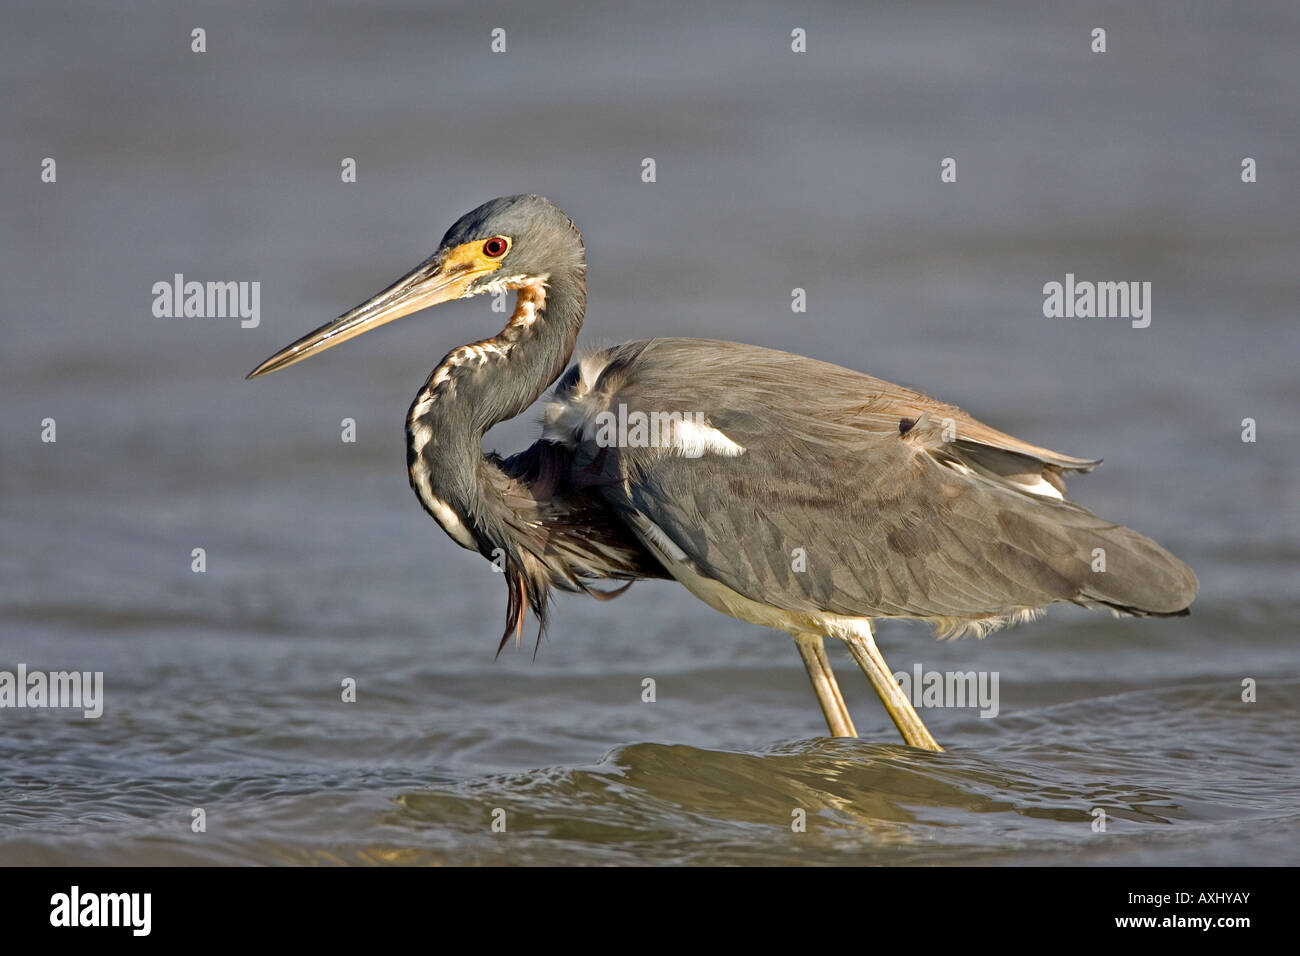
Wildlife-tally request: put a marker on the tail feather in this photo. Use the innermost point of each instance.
(1134, 575)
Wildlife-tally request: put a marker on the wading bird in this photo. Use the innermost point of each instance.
(780, 490)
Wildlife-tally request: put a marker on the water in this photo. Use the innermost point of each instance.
(775, 170)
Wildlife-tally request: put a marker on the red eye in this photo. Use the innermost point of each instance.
(494, 247)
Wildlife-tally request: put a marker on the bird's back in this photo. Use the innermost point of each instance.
(810, 487)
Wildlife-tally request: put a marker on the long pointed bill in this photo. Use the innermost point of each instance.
(441, 278)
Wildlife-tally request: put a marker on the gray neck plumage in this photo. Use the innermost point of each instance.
(479, 385)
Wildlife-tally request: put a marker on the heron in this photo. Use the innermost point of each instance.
(781, 490)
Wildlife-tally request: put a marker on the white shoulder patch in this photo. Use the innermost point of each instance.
(692, 439)
(1043, 488)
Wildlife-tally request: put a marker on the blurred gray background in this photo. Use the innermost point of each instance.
(775, 170)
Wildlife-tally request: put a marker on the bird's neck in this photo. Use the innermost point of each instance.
(481, 384)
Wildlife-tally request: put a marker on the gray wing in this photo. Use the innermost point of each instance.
(854, 496)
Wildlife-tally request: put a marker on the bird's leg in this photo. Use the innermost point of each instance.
(813, 652)
(863, 647)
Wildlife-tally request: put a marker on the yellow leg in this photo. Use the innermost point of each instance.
(813, 652)
(863, 647)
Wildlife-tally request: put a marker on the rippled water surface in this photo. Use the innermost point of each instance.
(775, 170)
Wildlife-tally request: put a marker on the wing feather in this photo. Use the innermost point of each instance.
(900, 505)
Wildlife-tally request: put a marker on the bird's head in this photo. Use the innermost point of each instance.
(506, 243)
